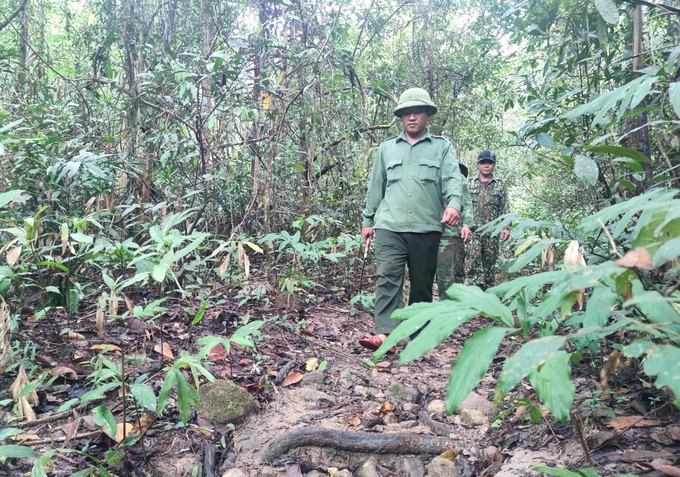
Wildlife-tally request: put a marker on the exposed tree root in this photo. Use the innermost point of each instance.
(401, 443)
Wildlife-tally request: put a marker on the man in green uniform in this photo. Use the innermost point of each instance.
(489, 201)
(415, 186)
(451, 258)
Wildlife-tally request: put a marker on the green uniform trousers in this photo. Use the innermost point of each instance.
(450, 264)
(394, 251)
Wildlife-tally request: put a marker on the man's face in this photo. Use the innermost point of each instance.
(415, 120)
(485, 167)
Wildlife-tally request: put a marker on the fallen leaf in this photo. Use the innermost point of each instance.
(99, 320)
(25, 409)
(623, 422)
(26, 437)
(292, 378)
(105, 347)
(123, 430)
(355, 422)
(386, 408)
(130, 306)
(272, 374)
(638, 258)
(448, 455)
(13, 255)
(166, 351)
(70, 430)
(144, 423)
(312, 364)
(217, 353)
(18, 386)
(666, 469)
(63, 370)
(75, 336)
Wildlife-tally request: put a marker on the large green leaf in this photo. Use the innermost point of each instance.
(529, 283)
(16, 452)
(104, 418)
(667, 252)
(649, 199)
(415, 317)
(473, 362)
(487, 304)
(653, 305)
(531, 254)
(674, 97)
(532, 355)
(8, 197)
(437, 330)
(552, 382)
(187, 396)
(144, 395)
(608, 11)
(663, 361)
(164, 393)
(586, 169)
(599, 307)
(620, 151)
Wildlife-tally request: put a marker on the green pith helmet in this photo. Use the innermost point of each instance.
(414, 97)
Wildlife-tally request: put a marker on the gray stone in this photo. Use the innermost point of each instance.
(365, 392)
(268, 472)
(343, 473)
(367, 469)
(313, 377)
(314, 395)
(410, 467)
(478, 403)
(347, 379)
(390, 418)
(440, 467)
(249, 443)
(437, 408)
(402, 392)
(235, 473)
(315, 473)
(223, 402)
(474, 417)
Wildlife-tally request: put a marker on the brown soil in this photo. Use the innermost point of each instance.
(351, 394)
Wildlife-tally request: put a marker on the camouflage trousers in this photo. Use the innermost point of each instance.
(450, 264)
(482, 253)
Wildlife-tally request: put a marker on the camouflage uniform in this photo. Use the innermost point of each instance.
(451, 258)
(489, 202)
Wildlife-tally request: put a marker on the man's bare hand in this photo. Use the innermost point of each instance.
(465, 233)
(451, 216)
(505, 234)
(367, 235)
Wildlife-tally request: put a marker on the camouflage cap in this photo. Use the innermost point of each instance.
(414, 97)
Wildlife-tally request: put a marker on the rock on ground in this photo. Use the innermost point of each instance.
(440, 467)
(224, 402)
(478, 403)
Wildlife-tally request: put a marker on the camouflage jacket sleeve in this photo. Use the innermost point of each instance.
(505, 207)
(467, 218)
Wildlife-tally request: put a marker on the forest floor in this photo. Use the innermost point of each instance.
(352, 394)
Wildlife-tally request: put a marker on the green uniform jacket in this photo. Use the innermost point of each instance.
(466, 216)
(488, 201)
(411, 185)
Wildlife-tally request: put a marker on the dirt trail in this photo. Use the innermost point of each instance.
(349, 395)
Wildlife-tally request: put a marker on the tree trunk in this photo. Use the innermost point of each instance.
(640, 121)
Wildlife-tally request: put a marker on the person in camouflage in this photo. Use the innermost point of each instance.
(451, 258)
(489, 201)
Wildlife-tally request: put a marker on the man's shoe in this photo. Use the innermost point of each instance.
(374, 342)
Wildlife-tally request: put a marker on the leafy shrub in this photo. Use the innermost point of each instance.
(623, 295)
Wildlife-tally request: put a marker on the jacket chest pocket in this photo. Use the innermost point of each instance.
(428, 171)
(394, 170)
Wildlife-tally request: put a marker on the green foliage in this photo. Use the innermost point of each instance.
(621, 297)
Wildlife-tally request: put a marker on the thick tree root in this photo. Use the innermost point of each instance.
(402, 443)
